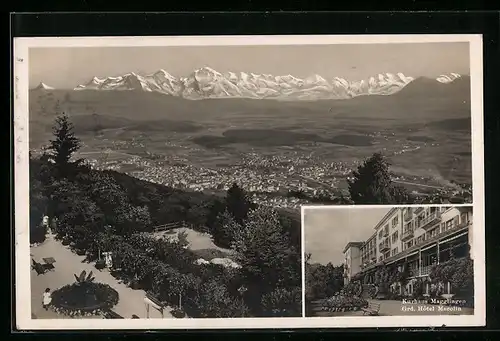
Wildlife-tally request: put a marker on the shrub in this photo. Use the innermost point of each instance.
(81, 252)
(283, 302)
(212, 299)
(135, 284)
(100, 264)
(178, 313)
(37, 234)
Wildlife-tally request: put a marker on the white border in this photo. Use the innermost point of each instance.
(21, 139)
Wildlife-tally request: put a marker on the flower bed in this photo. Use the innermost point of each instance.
(344, 303)
(84, 299)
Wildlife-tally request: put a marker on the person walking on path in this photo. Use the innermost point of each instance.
(47, 299)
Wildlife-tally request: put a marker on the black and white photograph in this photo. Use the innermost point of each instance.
(164, 178)
(389, 261)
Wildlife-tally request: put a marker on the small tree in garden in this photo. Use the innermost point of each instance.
(225, 229)
(83, 278)
(179, 284)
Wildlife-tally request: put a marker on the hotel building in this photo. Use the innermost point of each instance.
(412, 237)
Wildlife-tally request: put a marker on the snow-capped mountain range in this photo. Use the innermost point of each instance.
(206, 83)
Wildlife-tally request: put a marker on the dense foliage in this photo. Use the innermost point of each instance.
(106, 210)
(269, 259)
(323, 280)
(39, 202)
(459, 272)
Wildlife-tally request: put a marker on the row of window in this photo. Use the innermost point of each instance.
(395, 237)
(440, 228)
(416, 223)
(385, 230)
(369, 250)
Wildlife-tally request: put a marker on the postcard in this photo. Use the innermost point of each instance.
(242, 181)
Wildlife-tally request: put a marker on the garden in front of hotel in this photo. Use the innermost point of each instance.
(447, 290)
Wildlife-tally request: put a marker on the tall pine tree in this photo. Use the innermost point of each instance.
(64, 144)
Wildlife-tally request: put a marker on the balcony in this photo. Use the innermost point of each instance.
(408, 216)
(408, 234)
(430, 220)
(419, 209)
(384, 246)
(463, 224)
(425, 270)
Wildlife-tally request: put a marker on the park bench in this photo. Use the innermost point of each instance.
(38, 267)
(49, 263)
(372, 309)
(110, 314)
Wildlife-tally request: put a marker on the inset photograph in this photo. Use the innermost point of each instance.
(388, 261)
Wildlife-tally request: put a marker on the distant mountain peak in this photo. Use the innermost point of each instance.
(43, 86)
(448, 78)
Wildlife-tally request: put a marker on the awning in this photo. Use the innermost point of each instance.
(454, 237)
(428, 247)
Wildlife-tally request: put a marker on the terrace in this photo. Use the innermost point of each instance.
(430, 220)
(451, 231)
(425, 270)
(408, 216)
(384, 245)
(407, 235)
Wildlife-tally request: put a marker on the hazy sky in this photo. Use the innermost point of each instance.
(327, 231)
(71, 66)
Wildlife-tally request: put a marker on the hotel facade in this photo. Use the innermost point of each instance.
(412, 237)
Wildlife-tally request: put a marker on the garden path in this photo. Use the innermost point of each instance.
(67, 264)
